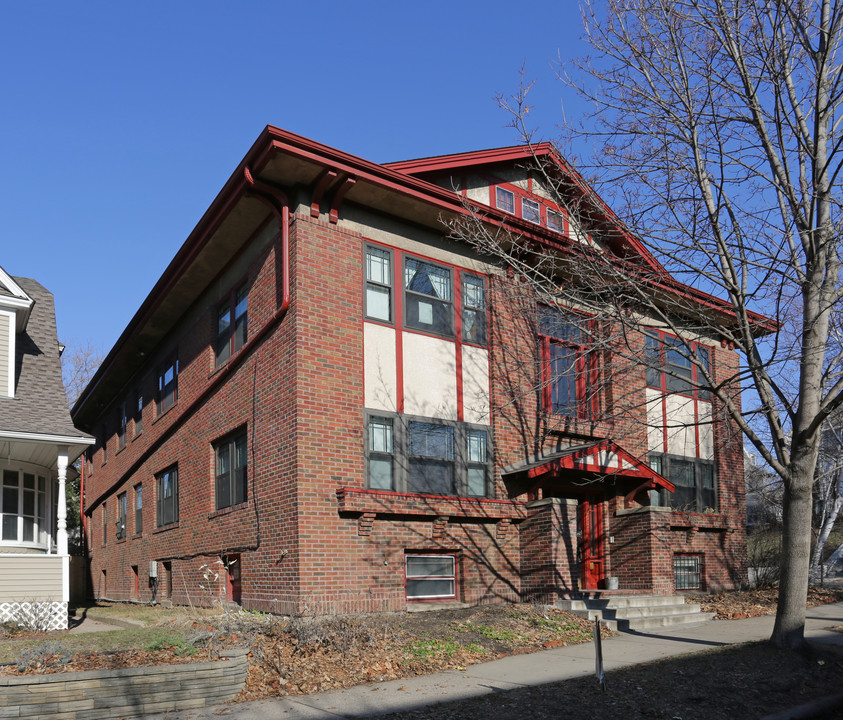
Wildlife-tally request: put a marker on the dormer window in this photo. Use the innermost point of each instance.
(555, 221)
(505, 200)
(530, 211)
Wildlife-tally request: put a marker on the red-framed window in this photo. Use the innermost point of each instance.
(671, 367)
(431, 576)
(568, 365)
(520, 203)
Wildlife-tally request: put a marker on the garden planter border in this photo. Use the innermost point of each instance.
(124, 692)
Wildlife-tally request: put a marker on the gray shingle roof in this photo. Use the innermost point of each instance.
(39, 405)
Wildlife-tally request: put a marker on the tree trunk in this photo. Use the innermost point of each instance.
(789, 629)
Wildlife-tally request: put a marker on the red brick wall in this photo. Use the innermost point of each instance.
(299, 393)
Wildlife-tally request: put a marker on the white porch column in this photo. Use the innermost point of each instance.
(61, 509)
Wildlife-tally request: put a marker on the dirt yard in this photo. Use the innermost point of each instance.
(303, 655)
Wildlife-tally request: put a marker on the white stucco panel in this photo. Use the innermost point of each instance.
(681, 428)
(475, 385)
(706, 429)
(430, 377)
(381, 388)
(655, 421)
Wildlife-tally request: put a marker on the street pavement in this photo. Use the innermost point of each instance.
(515, 671)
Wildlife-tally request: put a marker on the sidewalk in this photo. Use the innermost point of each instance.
(514, 671)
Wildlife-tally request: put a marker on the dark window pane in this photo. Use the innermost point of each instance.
(240, 318)
(431, 440)
(429, 588)
(563, 379)
(431, 476)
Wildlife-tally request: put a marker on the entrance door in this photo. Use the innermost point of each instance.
(591, 527)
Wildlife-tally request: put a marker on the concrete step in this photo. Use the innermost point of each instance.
(636, 612)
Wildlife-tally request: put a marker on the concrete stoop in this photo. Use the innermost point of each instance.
(625, 612)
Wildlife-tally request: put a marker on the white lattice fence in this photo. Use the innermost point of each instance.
(36, 615)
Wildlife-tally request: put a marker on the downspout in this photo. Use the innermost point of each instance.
(273, 196)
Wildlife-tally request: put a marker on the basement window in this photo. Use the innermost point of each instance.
(431, 577)
(686, 572)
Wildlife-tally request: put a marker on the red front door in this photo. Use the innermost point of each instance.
(591, 526)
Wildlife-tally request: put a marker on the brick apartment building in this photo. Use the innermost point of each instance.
(327, 405)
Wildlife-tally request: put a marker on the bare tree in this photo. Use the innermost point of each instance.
(79, 362)
(828, 490)
(716, 139)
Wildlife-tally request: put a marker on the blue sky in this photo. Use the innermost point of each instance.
(121, 122)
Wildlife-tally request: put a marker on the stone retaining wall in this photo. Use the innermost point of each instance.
(130, 692)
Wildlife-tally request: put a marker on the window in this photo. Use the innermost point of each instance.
(568, 368)
(670, 367)
(427, 456)
(138, 509)
(530, 211)
(478, 462)
(23, 508)
(473, 309)
(686, 572)
(122, 421)
(380, 453)
(693, 478)
(505, 200)
(104, 524)
(430, 576)
(168, 385)
(555, 221)
(104, 443)
(138, 412)
(378, 283)
(232, 324)
(121, 516)
(431, 458)
(231, 476)
(428, 297)
(167, 508)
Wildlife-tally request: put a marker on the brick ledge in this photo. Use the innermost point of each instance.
(382, 502)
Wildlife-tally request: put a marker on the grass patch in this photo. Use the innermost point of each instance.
(426, 649)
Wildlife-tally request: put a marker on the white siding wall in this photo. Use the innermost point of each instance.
(6, 354)
(36, 577)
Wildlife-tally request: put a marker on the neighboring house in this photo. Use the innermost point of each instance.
(37, 443)
(326, 405)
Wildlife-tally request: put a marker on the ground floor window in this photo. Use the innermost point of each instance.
(24, 500)
(431, 577)
(428, 456)
(686, 572)
(694, 481)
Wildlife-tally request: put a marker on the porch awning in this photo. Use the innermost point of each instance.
(577, 469)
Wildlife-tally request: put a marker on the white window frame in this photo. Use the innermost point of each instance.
(43, 534)
(526, 202)
(10, 383)
(452, 577)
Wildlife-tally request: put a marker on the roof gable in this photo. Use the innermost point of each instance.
(14, 297)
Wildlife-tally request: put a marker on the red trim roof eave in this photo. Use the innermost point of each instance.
(274, 139)
(468, 159)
